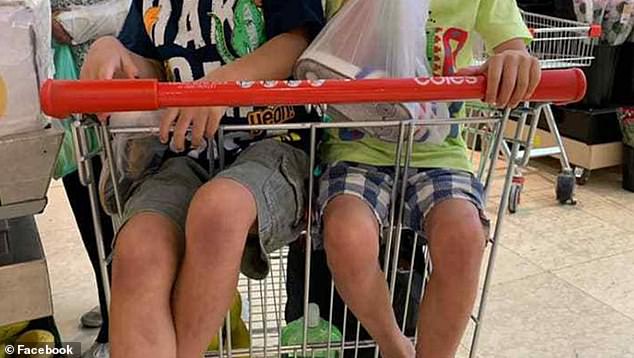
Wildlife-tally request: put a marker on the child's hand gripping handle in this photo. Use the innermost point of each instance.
(61, 98)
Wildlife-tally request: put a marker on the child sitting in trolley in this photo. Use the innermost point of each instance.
(443, 200)
(175, 270)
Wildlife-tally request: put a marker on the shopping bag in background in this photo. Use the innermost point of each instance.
(615, 16)
(66, 69)
(375, 39)
(618, 20)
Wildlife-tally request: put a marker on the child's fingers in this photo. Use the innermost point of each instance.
(494, 76)
(535, 77)
(522, 82)
(103, 117)
(185, 118)
(87, 72)
(198, 131)
(106, 72)
(94, 70)
(509, 79)
(128, 67)
(166, 124)
(213, 122)
(472, 71)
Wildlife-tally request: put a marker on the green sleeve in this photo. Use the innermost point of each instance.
(499, 21)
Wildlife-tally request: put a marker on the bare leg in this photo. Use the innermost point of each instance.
(352, 245)
(144, 269)
(218, 222)
(456, 243)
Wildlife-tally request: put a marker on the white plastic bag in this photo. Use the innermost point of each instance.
(375, 39)
(24, 64)
(85, 23)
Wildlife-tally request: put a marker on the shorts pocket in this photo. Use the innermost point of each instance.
(294, 168)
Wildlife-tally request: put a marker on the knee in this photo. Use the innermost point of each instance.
(148, 246)
(220, 209)
(350, 232)
(457, 246)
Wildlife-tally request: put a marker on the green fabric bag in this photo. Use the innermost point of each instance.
(66, 69)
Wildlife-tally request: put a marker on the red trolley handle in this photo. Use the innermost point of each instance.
(61, 98)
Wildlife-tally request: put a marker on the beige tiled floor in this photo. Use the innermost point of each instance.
(563, 285)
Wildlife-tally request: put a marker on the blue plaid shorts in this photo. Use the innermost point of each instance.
(425, 189)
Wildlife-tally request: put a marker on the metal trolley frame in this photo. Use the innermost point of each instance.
(557, 43)
(266, 299)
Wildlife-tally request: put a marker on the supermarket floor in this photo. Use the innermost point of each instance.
(563, 286)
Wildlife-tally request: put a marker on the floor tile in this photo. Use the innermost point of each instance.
(617, 215)
(608, 185)
(544, 316)
(69, 266)
(508, 266)
(57, 215)
(56, 183)
(554, 238)
(610, 280)
(68, 307)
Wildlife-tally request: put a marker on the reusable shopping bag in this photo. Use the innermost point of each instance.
(375, 39)
(66, 69)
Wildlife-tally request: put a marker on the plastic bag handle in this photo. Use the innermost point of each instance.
(61, 98)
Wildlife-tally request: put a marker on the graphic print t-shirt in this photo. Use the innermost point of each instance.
(194, 37)
(451, 29)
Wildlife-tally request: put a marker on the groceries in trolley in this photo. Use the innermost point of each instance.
(371, 39)
(21, 66)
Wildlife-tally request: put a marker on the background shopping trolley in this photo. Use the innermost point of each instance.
(557, 43)
(266, 299)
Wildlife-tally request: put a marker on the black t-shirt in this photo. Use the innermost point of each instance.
(194, 37)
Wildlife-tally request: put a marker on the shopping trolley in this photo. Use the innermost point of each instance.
(266, 299)
(557, 44)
